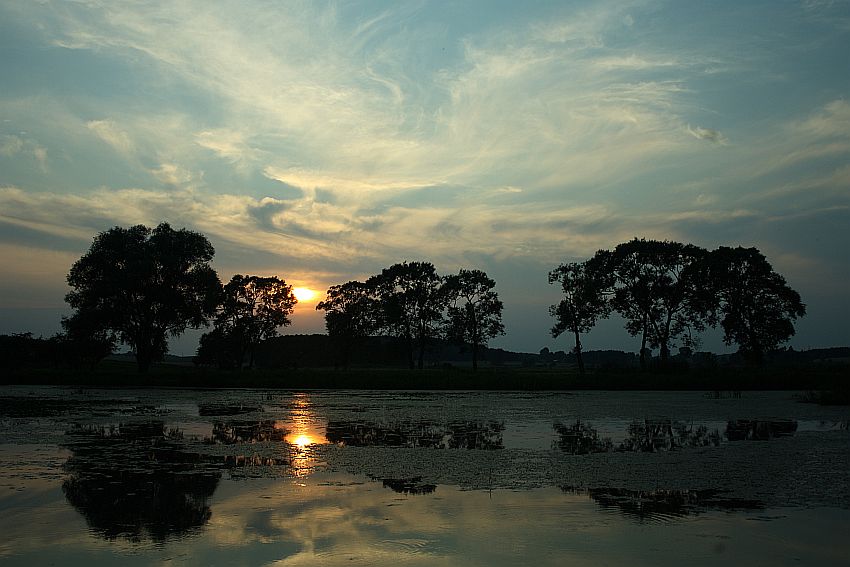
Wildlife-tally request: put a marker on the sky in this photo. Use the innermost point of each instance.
(323, 141)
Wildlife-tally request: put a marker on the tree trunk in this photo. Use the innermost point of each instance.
(421, 361)
(665, 342)
(410, 352)
(143, 357)
(578, 354)
(665, 353)
(643, 349)
(346, 353)
(475, 355)
(144, 363)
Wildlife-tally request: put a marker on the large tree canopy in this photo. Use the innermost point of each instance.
(657, 290)
(755, 305)
(668, 291)
(410, 303)
(145, 285)
(251, 310)
(349, 314)
(474, 309)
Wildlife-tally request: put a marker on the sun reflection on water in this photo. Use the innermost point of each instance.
(305, 432)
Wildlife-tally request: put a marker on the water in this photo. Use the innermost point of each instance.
(253, 477)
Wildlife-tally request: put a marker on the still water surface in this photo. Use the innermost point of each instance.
(252, 477)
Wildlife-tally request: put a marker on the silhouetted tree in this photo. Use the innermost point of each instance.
(756, 307)
(585, 286)
(657, 291)
(410, 304)
(220, 348)
(145, 284)
(349, 315)
(85, 339)
(474, 310)
(22, 350)
(252, 309)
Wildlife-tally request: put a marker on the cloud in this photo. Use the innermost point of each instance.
(229, 145)
(11, 145)
(707, 134)
(353, 188)
(109, 132)
(333, 108)
(830, 121)
(633, 62)
(338, 138)
(173, 175)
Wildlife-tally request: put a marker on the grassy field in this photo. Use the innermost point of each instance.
(123, 374)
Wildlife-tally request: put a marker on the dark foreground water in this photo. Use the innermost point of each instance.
(250, 477)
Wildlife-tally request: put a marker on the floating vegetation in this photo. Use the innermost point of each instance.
(412, 485)
(760, 430)
(33, 407)
(216, 410)
(834, 397)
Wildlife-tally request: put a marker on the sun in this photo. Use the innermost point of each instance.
(304, 294)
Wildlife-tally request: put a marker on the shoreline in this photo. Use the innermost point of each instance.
(722, 381)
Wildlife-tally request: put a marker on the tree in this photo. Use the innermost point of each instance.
(145, 285)
(755, 305)
(349, 314)
(657, 290)
(585, 286)
(410, 304)
(252, 309)
(219, 348)
(474, 310)
(84, 339)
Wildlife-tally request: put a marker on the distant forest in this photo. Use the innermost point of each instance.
(139, 286)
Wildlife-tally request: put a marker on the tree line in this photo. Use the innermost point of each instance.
(667, 292)
(412, 302)
(141, 285)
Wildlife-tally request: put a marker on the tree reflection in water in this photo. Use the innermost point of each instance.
(759, 430)
(643, 505)
(656, 435)
(232, 433)
(133, 481)
(413, 485)
(580, 439)
(484, 435)
(664, 435)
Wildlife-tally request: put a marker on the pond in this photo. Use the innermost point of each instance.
(256, 477)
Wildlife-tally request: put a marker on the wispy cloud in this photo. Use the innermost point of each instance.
(12, 145)
(708, 134)
(113, 135)
(339, 137)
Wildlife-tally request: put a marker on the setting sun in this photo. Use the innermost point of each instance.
(304, 294)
